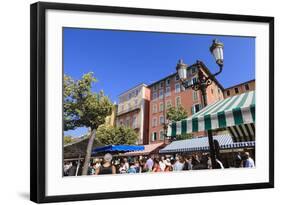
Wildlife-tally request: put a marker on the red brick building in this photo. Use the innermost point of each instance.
(240, 88)
(169, 92)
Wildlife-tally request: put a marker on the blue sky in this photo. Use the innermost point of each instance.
(123, 59)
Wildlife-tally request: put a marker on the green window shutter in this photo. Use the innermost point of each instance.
(221, 119)
(195, 125)
(253, 112)
(183, 126)
(207, 121)
(174, 129)
(237, 115)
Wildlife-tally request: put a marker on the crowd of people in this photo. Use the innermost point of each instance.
(141, 164)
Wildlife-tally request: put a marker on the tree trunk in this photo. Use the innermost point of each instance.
(89, 151)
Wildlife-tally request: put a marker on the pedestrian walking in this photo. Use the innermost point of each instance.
(107, 167)
(248, 162)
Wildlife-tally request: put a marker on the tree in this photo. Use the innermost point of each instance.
(67, 139)
(107, 135)
(84, 108)
(176, 114)
(184, 136)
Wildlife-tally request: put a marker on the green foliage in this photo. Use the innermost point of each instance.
(176, 114)
(109, 135)
(82, 107)
(184, 136)
(67, 139)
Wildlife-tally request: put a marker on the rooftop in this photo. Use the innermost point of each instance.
(139, 85)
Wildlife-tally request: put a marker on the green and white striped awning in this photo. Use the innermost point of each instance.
(229, 112)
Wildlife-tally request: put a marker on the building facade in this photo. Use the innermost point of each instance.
(133, 111)
(168, 92)
(111, 119)
(144, 108)
(240, 88)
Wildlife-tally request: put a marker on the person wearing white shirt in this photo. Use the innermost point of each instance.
(162, 164)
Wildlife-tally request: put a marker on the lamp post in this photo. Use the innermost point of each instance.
(202, 83)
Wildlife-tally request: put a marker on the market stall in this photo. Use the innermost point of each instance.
(237, 114)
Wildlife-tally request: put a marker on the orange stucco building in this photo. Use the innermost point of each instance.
(168, 92)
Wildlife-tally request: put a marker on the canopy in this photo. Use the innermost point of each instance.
(148, 149)
(234, 111)
(118, 148)
(202, 144)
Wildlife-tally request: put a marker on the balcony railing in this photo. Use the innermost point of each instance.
(131, 108)
(133, 126)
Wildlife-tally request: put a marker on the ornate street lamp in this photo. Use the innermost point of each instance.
(182, 70)
(217, 51)
(202, 83)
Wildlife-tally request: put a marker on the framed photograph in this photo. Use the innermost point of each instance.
(130, 102)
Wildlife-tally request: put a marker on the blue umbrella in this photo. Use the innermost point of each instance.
(118, 148)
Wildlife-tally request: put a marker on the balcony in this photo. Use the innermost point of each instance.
(135, 126)
(130, 109)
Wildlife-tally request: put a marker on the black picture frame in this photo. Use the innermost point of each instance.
(38, 100)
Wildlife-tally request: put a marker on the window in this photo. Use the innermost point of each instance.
(193, 69)
(228, 93)
(120, 99)
(160, 94)
(194, 80)
(128, 122)
(196, 108)
(154, 108)
(168, 104)
(154, 96)
(161, 107)
(161, 120)
(168, 82)
(182, 88)
(236, 90)
(161, 134)
(154, 87)
(134, 123)
(165, 119)
(161, 84)
(177, 77)
(154, 122)
(178, 101)
(177, 88)
(154, 136)
(137, 92)
(246, 87)
(195, 95)
(168, 91)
